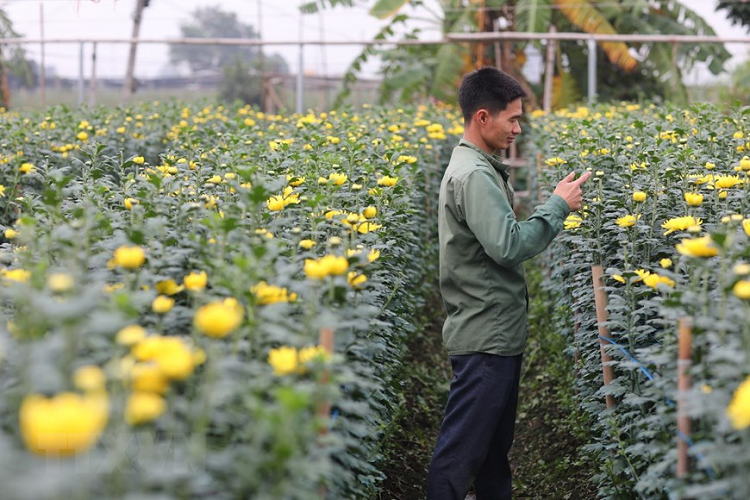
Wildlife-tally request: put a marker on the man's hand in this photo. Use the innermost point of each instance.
(570, 190)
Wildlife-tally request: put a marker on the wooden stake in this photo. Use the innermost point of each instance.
(685, 328)
(324, 410)
(600, 297)
(326, 342)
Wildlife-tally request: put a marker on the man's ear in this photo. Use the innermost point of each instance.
(481, 116)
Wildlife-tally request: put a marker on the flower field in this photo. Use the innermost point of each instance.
(209, 301)
(667, 216)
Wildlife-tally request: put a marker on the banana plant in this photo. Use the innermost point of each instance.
(650, 69)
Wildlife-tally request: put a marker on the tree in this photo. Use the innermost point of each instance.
(239, 64)
(212, 22)
(737, 12)
(12, 59)
(242, 79)
(434, 70)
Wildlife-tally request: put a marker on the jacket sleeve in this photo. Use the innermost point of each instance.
(492, 220)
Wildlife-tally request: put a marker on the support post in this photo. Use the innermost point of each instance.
(600, 297)
(92, 82)
(128, 87)
(498, 54)
(300, 80)
(685, 329)
(42, 74)
(592, 70)
(80, 74)
(549, 71)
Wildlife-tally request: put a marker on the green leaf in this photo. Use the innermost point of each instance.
(384, 9)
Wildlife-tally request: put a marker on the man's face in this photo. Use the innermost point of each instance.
(502, 128)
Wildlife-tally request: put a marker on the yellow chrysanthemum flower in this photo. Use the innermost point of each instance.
(295, 181)
(129, 257)
(162, 304)
(172, 355)
(555, 160)
(89, 378)
(653, 280)
(60, 282)
(727, 181)
(697, 247)
(168, 287)
(387, 181)
(27, 168)
(284, 360)
(742, 289)
(355, 279)
(627, 220)
(130, 335)
(738, 410)
(195, 282)
(572, 221)
(680, 224)
(17, 275)
(145, 377)
(329, 265)
(370, 212)
(63, 425)
(338, 179)
(275, 203)
(271, 294)
(218, 319)
(639, 196)
(144, 407)
(694, 199)
(373, 255)
(367, 227)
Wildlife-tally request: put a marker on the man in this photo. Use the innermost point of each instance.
(482, 250)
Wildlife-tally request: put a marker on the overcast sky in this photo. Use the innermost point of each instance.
(281, 20)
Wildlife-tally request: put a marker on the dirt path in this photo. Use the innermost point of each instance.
(550, 429)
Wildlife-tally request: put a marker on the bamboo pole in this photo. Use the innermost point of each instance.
(600, 297)
(685, 328)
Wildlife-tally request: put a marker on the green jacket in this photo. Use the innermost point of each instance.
(482, 250)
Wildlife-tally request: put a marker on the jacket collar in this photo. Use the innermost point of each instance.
(494, 160)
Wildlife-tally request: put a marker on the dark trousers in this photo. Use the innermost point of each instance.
(477, 431)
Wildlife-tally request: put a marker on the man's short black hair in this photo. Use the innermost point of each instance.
(488, 88)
